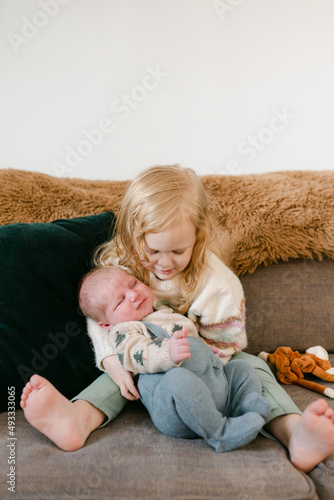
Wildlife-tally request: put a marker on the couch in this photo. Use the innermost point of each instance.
(276, 232)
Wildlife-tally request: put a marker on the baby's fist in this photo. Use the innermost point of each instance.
(179, 347)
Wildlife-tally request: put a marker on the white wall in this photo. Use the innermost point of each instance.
(223, 86)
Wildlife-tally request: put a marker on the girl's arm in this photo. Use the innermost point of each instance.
(106, 360)
(219, 309)
(101, 344)
(121, 377)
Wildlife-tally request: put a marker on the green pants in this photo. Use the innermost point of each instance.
(279, 401)
(105, 395)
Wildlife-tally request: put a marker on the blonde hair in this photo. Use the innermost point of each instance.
(157, 198)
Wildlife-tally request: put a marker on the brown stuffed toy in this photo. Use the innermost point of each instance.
(291, 366)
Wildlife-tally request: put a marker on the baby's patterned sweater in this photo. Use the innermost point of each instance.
(140, 351)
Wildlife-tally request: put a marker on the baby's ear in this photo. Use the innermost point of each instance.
(107, 326)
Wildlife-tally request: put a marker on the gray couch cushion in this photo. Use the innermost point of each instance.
(290, 304)
(129, 459)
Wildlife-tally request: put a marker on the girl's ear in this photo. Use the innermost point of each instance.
(107, 326)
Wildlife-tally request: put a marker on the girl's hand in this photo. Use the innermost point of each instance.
(121, 377)
(179, 347)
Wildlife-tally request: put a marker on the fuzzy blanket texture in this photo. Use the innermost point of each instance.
(261, 218)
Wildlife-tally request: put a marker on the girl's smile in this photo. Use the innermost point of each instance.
(169, 251)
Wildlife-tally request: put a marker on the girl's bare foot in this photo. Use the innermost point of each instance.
(312, 439)
(67, 424)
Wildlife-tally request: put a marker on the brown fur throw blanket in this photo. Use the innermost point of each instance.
(261, 218)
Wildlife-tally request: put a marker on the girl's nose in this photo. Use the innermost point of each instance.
(164, 260)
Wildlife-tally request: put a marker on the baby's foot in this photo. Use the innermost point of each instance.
(237, 432)
(313, 437)
(55, 416)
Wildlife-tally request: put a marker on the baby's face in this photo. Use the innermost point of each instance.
(127, 299)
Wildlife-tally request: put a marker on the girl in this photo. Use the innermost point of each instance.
(163, 236)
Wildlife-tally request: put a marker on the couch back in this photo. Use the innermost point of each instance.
(290, 304)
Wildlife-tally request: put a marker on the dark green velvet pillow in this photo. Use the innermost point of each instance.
(42, 329)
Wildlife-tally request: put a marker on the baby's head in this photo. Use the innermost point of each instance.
(110, 295)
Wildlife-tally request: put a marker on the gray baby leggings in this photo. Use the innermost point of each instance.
(205, 398)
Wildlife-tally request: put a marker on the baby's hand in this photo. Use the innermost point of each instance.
(179, 347)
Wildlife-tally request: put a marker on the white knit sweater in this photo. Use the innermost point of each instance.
(218, 310)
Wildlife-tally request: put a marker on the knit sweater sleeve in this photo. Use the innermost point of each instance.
(138, 350)
(101, 343)
(219, 309)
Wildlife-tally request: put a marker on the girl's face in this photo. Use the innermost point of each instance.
(169, 251)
